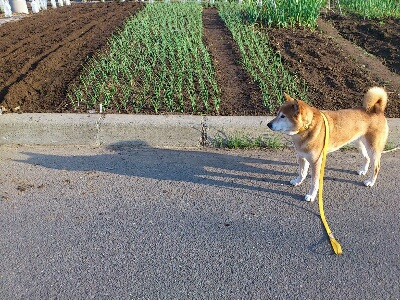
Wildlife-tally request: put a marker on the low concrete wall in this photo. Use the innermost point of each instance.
(175, 131)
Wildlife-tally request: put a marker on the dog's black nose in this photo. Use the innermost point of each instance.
(269, 125)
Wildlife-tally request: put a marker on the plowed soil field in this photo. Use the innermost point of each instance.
(42, 54)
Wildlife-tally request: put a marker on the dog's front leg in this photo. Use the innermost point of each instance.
(303, 169)
(315, 174)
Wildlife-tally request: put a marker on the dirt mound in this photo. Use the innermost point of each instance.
(44, 53)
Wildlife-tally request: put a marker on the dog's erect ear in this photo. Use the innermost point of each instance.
(296, 107)
(287, 97)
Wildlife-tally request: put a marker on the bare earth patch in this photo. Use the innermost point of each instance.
(378, 37)
(43, 54)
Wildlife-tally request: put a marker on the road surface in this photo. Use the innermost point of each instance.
(144, 223)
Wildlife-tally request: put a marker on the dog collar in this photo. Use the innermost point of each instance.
(304, 128)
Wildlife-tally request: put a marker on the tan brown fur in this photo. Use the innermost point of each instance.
(365, 126)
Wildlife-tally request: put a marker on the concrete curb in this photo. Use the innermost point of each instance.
(162, 131)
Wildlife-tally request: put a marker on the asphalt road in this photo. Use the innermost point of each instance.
(145, 223)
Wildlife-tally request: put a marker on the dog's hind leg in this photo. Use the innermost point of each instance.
(361, 147)
(375, 143)
(303, 169)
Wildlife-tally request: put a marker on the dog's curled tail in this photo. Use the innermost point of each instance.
(375, 100)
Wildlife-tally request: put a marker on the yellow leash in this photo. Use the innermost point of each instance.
(335, 244)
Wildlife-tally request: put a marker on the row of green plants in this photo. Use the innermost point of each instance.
(304, 13)
(372, 8)
(263, 63)
(157, 61)
(242, 141)
(282, 13)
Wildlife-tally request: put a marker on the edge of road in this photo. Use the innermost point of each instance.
(161, 131)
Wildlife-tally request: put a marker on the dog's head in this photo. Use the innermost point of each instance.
(293, 117)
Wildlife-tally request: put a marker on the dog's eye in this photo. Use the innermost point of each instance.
(282, 116)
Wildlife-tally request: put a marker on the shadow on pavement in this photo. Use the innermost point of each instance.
(201, 167)
(222, 169)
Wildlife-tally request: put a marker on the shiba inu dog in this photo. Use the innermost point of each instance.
(365, 126)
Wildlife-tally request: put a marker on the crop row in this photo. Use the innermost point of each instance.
(282, 13)
(305, 13)
(373, 8)
(157, 61)
(264, 64)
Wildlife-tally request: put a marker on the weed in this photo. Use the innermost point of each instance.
(240, 141)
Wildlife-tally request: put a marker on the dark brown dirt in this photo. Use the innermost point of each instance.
(239, 95)
(42, 55)
(385, 34)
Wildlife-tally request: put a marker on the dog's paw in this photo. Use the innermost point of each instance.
(362, 172)
(369, 183)
(295, 182)
(309, 198)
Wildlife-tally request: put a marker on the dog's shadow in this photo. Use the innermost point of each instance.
(202, 167)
